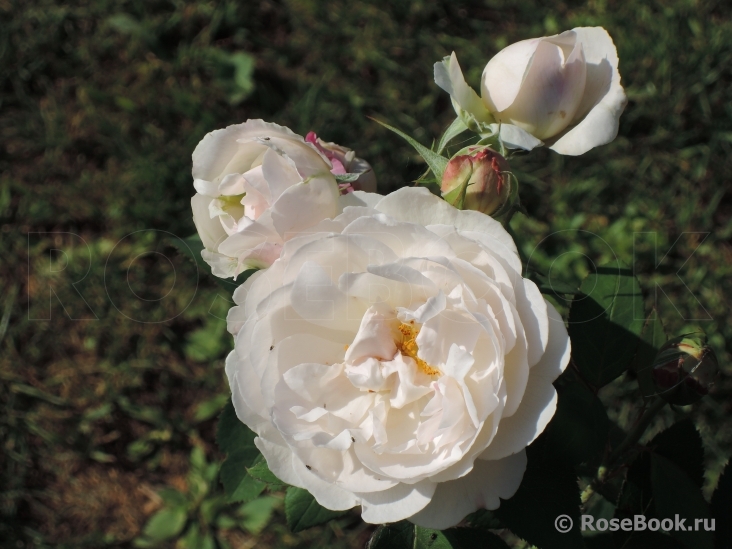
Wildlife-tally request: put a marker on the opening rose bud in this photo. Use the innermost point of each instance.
(478, 178)
(344, 161)
(685, 369)
(563, 90)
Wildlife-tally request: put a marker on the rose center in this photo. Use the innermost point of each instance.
(408, 347)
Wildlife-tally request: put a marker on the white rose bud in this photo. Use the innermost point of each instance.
(563, 90)
(345, 161)
(258, 184)
(397, 360)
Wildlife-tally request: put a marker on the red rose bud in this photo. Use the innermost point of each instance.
(685, 369)
(478, 178)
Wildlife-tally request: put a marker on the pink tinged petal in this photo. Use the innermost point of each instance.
(482, 488)
(449, 76)
(210, 230)
(540, 399)
(504, 73)
(254, 180)
(551, 91)
(338, 167)
(397, 503)
(305, 205)
(604, 99)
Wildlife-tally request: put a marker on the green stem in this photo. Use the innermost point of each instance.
(630, 440)
(637, 432)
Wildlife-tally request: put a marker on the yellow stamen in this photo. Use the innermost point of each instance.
(408, 347)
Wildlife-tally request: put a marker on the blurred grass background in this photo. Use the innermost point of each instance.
(111, 342)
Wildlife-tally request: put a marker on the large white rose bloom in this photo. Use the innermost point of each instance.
(258, 184)
(396, 359)
(563, 90)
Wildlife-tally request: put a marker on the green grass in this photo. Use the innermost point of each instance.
(101, 105)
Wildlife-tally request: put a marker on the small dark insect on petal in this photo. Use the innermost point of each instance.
(353, 439)
(309, 468)
(271, 347)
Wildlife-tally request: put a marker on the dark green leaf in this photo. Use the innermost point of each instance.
(654, 336)
(722, 509)
(302, 511)
(682, 444)
(453, 130)
(549, 489)
(552, 286)
(165, 524)
(237, 441)
(484, 519)
(232, 434)
(674, 493)
(261, 472)
(605, 321)
(459, 538)
(579, 429)
(436, 162)
(398, 535)
(405, 535)
(239, 487)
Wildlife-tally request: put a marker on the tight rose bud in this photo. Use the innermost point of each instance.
(345, 161)
(685, 369)
(478, 178)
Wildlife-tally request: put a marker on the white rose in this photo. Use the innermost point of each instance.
(257, 185)
(397, 360)
(563, 89)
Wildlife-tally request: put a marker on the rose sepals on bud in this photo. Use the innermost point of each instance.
(685, 369)
(478, 178)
